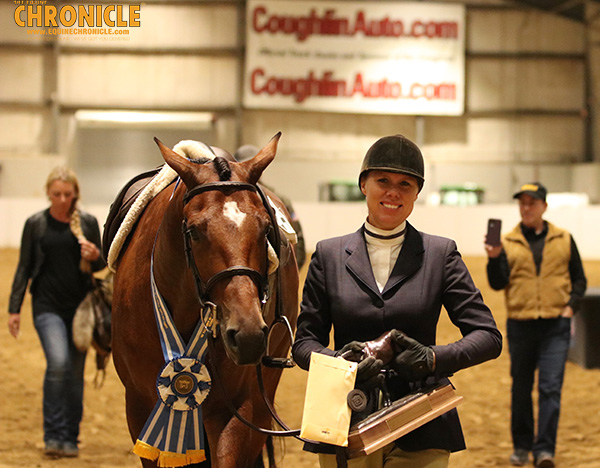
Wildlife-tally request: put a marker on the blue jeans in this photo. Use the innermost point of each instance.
(540, 344)
(63, 381)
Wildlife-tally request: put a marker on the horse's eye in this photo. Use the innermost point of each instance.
(193, 232)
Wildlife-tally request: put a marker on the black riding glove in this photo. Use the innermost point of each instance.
(367, 373)
(415, 361)
(352, 351)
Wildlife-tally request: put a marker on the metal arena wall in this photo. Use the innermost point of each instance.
(529, 106)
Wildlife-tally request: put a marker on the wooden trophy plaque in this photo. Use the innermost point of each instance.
(402, 417)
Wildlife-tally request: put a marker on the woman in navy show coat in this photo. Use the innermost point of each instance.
(389, 276)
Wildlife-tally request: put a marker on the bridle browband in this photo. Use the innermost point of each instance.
(220, 186)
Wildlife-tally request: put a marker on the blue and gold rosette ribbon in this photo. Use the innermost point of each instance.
(174, 433)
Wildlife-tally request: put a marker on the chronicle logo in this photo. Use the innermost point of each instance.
(38, 13)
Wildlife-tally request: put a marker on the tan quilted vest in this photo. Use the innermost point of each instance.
(529, 296)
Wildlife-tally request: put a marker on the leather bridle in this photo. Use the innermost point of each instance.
(203, 289)
(262, 282)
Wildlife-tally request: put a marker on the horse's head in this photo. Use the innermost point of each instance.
(226, 225)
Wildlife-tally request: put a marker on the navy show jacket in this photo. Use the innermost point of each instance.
(340, 292)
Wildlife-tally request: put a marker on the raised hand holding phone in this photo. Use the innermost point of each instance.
(493, 242)
(493, 232)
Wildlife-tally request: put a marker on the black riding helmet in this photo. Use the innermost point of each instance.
(395, 153)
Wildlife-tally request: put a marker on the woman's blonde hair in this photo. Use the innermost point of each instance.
(65, 174)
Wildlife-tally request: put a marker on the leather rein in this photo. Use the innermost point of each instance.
(262, 282)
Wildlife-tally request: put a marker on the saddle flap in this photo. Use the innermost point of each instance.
(121, 205)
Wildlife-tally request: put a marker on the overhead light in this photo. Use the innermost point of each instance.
(143, 119)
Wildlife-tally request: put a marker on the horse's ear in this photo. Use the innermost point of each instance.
(186, 169)
(259, 163)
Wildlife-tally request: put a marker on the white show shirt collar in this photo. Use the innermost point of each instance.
(384, 247)
(393, 236)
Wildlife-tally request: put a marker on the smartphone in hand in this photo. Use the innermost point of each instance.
(493, 232)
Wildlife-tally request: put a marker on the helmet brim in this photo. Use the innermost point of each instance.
(419, 177)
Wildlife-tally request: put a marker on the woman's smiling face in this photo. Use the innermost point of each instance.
(390, 197)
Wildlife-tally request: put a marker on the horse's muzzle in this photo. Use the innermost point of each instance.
(246, 347)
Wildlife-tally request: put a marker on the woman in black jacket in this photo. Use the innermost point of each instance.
(60, 248)
(389, 276)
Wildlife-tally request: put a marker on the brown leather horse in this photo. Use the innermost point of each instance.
(228, 227)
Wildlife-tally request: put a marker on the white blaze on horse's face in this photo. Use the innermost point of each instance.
(232, 211)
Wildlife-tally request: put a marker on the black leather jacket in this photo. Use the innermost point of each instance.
(31, 256)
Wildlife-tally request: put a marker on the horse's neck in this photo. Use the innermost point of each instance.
(173, 277)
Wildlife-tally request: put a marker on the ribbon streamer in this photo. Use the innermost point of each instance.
(174, 434)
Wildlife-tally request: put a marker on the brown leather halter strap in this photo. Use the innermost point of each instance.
(203, 292)
(261, 281)
(220, 186)
(203, 289)
(287, 432)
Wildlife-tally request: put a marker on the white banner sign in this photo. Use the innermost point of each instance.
(381, 58)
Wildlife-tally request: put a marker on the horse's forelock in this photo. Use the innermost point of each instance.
(200, 153)
(222, 167)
